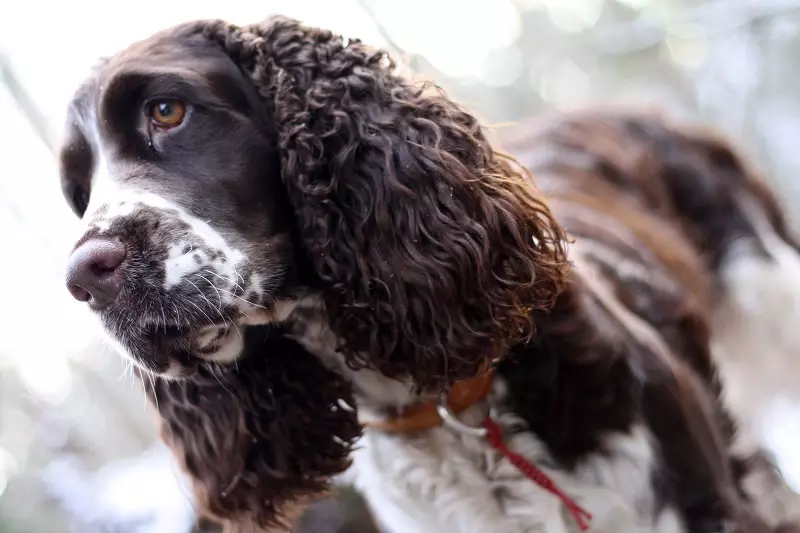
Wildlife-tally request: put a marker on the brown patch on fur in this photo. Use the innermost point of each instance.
(688, 174)
(435, 255)
(656, 207)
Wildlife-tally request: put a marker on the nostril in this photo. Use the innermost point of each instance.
(78, 292)
(105, 265)
(106, 256)
(93, 271)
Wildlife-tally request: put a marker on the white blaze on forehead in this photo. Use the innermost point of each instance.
(113, 199)
(108, 200)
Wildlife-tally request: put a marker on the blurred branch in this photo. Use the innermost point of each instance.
(716, 17)
(25, 103)
(393, 48)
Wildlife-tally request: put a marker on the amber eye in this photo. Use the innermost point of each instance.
(167, 113)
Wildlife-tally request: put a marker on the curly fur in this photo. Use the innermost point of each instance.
(430, 254)
(428, 249)
(401, 205)
(261, 438)
(695, 180)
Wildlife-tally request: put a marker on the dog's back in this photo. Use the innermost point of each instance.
(694, 178)
(733, 263)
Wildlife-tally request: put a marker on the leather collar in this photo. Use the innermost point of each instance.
(424, 415)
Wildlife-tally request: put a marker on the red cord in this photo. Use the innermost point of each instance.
(495, 436)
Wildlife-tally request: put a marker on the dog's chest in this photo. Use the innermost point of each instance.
(441, 481)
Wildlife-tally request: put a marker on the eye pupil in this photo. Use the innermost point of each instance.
(167, 113)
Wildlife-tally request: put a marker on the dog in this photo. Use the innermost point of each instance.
(694, 176)
(297, 241)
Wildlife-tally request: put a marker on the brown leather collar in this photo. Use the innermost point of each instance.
(423, 415)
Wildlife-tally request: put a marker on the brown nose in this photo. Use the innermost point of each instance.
(93, 272)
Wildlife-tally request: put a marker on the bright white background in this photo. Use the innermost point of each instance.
(66, 419)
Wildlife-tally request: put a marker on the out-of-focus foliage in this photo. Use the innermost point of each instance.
(78, 450)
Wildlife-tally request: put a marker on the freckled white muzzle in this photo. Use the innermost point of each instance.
(170, 290)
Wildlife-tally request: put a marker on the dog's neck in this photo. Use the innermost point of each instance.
(592, 370)
(579, 332)
(376, 394)
(379, 397)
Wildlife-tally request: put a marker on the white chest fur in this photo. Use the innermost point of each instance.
(439, 480)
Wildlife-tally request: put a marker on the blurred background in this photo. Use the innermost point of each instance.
(78, 450)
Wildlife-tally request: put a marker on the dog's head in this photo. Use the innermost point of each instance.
(171, 159)
(224, 172)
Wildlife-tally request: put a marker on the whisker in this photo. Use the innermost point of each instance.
(226, 280)
(239, 332)
(207, 300)
(219, 295)
(177, 313)
(163, 316)
(155, 394)
(103, 348)
(223, 278)
(144, 389)
(243, 299)
(211, 368)
(125, 360)
(237, 274)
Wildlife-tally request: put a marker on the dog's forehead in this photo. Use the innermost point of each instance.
(164, 45)
(177, 51)
(181, 48)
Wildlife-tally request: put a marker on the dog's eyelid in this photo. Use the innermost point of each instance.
(151, 101)
(153, 128)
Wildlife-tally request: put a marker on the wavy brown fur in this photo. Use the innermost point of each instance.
(262, 438)
(429, 249)
(433, 254)
(665, 196)
(686, 173)
(401, 205)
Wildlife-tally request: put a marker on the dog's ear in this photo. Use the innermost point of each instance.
(261, 440)
(432, 249)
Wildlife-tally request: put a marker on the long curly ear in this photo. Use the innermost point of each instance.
(260, 440)
(432, 249)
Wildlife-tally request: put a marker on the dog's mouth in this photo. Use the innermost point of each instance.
(210, 341)
(177, 351)
(173, 335)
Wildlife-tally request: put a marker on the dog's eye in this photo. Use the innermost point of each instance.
(167, 113)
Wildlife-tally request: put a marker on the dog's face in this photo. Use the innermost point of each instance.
(225, 172)
(169, 159)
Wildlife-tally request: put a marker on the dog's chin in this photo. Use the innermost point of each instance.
(178, 353)
(218, 343)
(178, 350)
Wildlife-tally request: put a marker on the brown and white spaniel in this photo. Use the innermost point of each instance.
(296, 240)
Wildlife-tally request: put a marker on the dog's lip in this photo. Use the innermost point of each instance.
(184, 331)
(169, 331)
(196, 341)
(210, 336)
